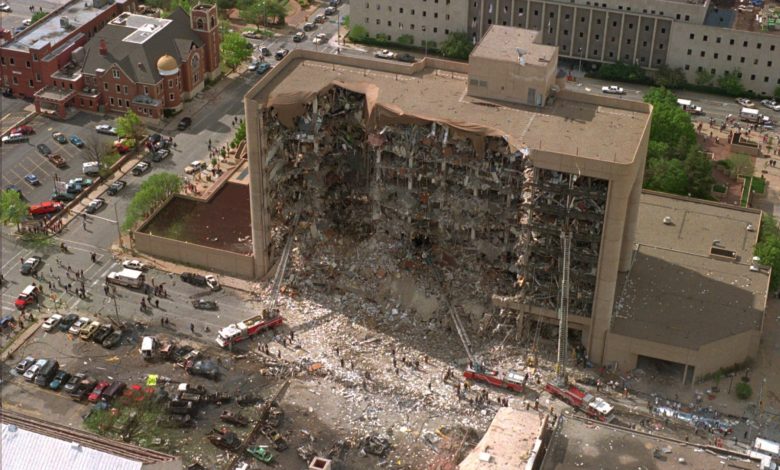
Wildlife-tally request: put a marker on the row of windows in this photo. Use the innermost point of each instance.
(611, 55)
(726, 72)
(705, 38)
(716, 55)
(400, 26)
(412, 12)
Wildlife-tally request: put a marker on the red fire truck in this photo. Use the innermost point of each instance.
(594, 407)
(240, 331)
(511, 380)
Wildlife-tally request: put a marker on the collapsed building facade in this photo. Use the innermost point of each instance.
(477, 167)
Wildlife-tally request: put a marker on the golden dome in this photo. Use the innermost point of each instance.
(167, 63)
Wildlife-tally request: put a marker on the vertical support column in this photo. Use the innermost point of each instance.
(258, 204)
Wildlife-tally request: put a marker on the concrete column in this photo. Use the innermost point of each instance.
(632, 216)
(256, 151)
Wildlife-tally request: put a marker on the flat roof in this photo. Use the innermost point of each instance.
(502, 42)
(567, 126)
(509, 441)
(576, 443)
(675, 293)
(49, 29)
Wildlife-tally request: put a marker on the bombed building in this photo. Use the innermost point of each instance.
(469, 174)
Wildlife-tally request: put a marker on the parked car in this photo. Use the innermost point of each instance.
(771, 104)
(102, 333)
(263, 68)
(299, 36)
(52, 322)
(134, 264)
(385, 54)
(73, 382)
(56, 160)
(94, 396)
(121, 147)
(320, 38)
(113, 339)
(14, 138)
(330, 11)
(63, 197)
(746, 103)
(114, 390)
(203, 304)
(87, 331)
(43, 149)
(25, 130)
(68, 321)
(140, 168)
(161, 155)
(84, 388)
(209, 280)
(194, 166)
(24, 364)
(75, 140)
(281, 54)
(320, 19)
(59, 380)
(116, 186)
(309, 26)
(44, 376)
(184, 123)
(409, 58)
(4, 7)
(81, 181)
(31, 265)
(264, 51)
(78, 325)
(613, 90)
(28, 296)
(32, 371)
(253, 66)
(95, 205)
(105, 129)
(59, 137)
(32, 179)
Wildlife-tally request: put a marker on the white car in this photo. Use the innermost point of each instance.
(52, 322)
(746, 103)
(29, 374)
(194, 166)
(76, 327)
(321, 38)
(27, 22)
(771, 104)
(212, 282)
(134, 264)
(385, 54)
(253, 66)
(95, 205)
(105, 129)
(5, 7)
(613, 90)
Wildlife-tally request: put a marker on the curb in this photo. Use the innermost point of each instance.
(20, 340)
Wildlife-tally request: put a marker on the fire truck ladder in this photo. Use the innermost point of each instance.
(281, 269)
(464, 338)
(563, 308)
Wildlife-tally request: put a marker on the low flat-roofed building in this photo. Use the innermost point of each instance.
(30, 443)
(581, 443)
(693, 298)
(514, 439)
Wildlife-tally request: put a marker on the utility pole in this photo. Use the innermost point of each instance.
(118, 231)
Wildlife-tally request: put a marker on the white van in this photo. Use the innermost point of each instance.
(90, 168)
(127, 277)
(689, 107)
(750, 115)
(148, 345)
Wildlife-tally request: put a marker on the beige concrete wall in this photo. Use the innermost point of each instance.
(624, 350)
(212, 259)
(510, 81)
(725, 50)
(396, 18)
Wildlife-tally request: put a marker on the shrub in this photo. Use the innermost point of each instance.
(406, 39)
(719, 188)
(358, 33)
(744, 390)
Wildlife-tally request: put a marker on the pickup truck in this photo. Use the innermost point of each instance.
(56, 160)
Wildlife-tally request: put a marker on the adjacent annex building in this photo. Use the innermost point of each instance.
(100, 58)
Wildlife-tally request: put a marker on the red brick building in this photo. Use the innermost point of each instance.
(115, 61)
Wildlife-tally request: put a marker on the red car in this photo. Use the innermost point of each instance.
(26, 130)
(121, 147)
(97, 392)
(28, 296)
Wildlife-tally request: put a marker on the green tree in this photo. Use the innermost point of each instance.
(660, 95)
(457, 46)
(698, 168)
(13, 209)
(38, 15)
(130, 126)
(743, 390)
(357, 33)
(234, 49)
(152, 192)
(670, 125)
(621, 71)
(704, 78)
(667, 176)
(406, 39)
(669, 77)
(741, 164)
(254, 13)
(768, 248)
(260, 11)
(240, 134)
(777, 92)
(731, 83)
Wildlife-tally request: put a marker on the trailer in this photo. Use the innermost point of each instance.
(511, 380)
(595, 407)
(238, 332)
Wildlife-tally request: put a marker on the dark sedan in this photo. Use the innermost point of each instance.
(68, 321)
(31, 265)
(202, 304)
(184, 123)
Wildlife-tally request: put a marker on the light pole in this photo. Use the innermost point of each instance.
(579, 53)
(425, 41)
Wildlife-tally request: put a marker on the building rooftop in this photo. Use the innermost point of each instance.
(675, 292)
(494, 45)
(566, 126)
(509, 442)
(577, 443)
(51, 28)
(29, 442)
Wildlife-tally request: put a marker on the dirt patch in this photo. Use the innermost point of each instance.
(222, 223)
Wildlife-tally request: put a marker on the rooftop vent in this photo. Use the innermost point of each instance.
(75, 446)
(722, 253)
(668, 220)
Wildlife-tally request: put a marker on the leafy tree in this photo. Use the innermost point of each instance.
(777, 92)
(741, 164)
(621, 71)
(240, 134)
(254, 13)
(670, 125)
(152, 192)
(703, 77)
(667, 176)
(260, 11)
(13, 209)
(345, 21)
(357, 33)
(234, 49)
(768, 248)
(406, 39)
(38, 15)
(130, 126)
(744, 391)
(669, 77)
(698, 167)
(457, 46)
(660, 95)
(731, 83)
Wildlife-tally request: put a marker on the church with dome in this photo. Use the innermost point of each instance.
(141, 63)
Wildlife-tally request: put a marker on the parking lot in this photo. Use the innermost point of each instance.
(21, 159)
